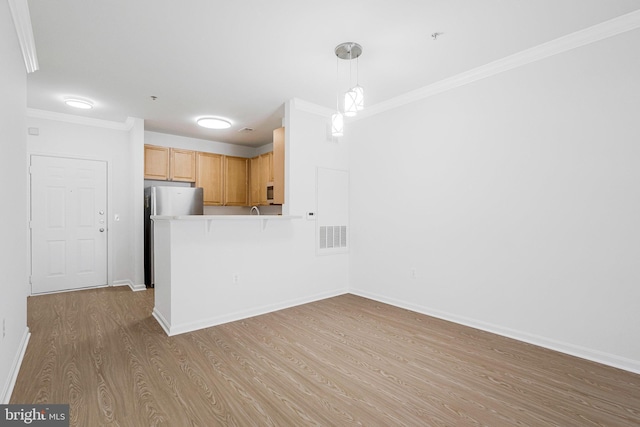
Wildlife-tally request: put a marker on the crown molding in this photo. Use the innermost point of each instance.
(312, 108)
(606, 29)
(80, 120)
(22, 22)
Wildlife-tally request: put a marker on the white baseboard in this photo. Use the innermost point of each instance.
(129, 283)
(162, 321)
(570, 349)
(182, 328)
(15, 368)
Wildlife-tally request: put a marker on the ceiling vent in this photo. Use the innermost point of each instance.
(246, 129)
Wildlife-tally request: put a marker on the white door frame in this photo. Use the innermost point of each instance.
(109, 211)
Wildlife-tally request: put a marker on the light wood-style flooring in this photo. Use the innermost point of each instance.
(341, 361)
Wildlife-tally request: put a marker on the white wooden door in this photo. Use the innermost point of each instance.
(68, 224)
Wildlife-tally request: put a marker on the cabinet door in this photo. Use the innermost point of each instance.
(156, 162)
(236, 172)
(278, 166)
(255, 179)
(183, 165)
(210, 177)
(266, 175)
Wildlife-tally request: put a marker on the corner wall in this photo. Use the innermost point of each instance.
(119, 144)
(13, 193)
(514, 200)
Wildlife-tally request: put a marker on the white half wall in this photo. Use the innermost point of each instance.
(13, 193)
(511, 204)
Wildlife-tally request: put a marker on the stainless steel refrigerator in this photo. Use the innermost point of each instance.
(166, 201)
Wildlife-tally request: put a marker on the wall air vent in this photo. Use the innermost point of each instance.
(332, 236)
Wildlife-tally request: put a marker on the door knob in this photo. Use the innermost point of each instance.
(102, 230)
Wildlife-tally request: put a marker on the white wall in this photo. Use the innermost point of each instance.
(110, 142)
(515, 199)
(308, 148)
(136, 208)
(175, 141)
(13, 215)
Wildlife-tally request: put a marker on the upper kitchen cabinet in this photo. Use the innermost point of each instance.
(210, 176)
(255, 180)
(169, 164)
(182, 165)
(266, 175)
(236, 188)
(156, 162)
(278, 166)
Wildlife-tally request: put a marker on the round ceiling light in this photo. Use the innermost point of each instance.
(78, 103)
(213, 123)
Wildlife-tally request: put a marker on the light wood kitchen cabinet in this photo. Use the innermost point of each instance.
(169, 164)
(266, 175)
(156, 162)
(260, 173)
(278, 166)
(236, 183)
(182, 165)
(266, 163)
(255, 175)
(210, 176)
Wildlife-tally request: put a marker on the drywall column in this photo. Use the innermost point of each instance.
(13, 193)
(136, 141)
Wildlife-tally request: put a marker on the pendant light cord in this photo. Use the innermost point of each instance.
(337, 85)
(350, 58)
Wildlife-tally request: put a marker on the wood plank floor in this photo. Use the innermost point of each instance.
(341, 361)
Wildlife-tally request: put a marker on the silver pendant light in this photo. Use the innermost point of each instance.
(354, 97)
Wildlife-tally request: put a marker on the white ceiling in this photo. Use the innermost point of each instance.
(243, 59)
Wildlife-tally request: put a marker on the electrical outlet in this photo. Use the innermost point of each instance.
(236, 278)
(414, 274)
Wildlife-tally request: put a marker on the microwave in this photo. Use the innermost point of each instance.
(270, 192)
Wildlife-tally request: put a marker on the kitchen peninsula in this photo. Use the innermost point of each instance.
(212, 269)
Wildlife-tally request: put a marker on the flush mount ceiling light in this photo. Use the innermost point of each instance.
(213, 123)
(78, 103)
(354, 96)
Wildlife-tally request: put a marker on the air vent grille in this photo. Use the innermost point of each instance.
(332, 236)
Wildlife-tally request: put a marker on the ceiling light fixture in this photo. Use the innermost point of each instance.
(354, 96)
(213, 123)
(78, 103)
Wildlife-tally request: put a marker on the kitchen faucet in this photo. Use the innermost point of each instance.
(254, 208)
